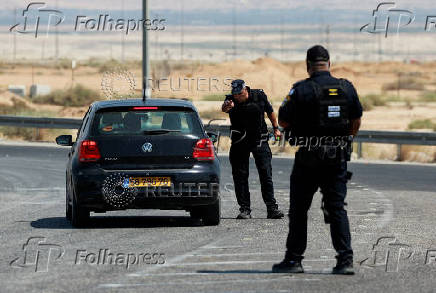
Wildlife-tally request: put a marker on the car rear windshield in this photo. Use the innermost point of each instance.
(146, 120)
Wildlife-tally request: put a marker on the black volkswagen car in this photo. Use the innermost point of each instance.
(135, 154)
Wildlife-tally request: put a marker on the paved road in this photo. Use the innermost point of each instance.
(384, 200)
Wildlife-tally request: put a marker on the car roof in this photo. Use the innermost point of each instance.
(153, 102)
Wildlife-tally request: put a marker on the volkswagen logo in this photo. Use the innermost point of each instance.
(147, 147)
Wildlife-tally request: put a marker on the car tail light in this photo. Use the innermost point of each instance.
(203, 150)
(89, 151)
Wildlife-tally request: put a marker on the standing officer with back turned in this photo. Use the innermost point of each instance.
(323, 113)
(249, 134)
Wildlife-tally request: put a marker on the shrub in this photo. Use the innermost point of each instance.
(428, 97)
(73, 97)
(17, 107)
(370, 101)
(213, 114)
(405, 83)
(214, 97)
(422, 124)
(19, 132)
(111, 65)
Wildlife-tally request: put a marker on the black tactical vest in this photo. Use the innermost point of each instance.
(332, 107)
(247, 119)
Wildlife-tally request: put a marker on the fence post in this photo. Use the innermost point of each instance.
(398, 152)
(359, 149)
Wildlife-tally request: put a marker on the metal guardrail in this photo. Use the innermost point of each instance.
(365, 136)
(36, 122)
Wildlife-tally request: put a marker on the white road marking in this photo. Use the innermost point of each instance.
(188, 282)
(40, 203)
(237, 254)
(237, 262)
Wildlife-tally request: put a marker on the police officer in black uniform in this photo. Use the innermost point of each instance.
(249, 134)
(321, 114)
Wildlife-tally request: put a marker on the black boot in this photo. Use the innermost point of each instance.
(344, 267)
(274, 214)
(245, 214)
(288, 266)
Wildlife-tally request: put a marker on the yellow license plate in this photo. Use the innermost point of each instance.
(149, 181)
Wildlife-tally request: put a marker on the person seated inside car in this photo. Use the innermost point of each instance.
(110, 121)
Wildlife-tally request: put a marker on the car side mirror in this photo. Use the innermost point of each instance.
(213, 136)
(64, 140)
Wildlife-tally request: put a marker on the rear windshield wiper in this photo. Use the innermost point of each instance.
(159, 131)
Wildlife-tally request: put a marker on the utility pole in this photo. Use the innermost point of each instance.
(43, 50)
(157, 46)
(15, 37)
(354, 37)
(56, 38)
(122, 34)
(282, 36)
(145, 56)
(234, 31)
(380, 52)
(182, 29)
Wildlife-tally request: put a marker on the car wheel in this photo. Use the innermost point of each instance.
(212, 213)
(68, 212)
(79, 216)
(196, 213)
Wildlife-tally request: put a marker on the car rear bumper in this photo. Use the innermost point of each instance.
(190, 188)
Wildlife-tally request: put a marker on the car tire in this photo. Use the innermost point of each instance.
(68, 209)
(79, 215)
(196, 214)
(212, 213)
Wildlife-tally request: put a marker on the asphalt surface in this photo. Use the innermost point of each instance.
(384, 200)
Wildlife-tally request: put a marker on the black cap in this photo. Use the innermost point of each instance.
(317, 53)
(237, 86)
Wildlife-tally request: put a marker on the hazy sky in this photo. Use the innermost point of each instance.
(223, 4)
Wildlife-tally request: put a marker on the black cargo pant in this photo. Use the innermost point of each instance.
(310, 173)
(239, 159)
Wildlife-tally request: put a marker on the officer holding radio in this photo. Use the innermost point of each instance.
(325, 108)
(249, 134)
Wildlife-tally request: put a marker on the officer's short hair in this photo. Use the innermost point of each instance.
(317, 55)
